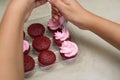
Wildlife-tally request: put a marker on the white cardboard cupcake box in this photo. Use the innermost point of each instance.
(98, 60)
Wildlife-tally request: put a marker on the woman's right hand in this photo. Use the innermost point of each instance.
(71, 10)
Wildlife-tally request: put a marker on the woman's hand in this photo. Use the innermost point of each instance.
(33, 4)
(71, 10)
(28, 5)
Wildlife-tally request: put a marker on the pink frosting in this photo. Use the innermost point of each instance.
(69, 48)
(58, 24)
(62, 35)
(25, 45)
(53, 25)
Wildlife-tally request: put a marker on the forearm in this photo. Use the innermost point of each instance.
(11, 40)
(104, 28)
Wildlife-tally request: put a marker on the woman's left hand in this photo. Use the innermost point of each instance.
(27, 6)
(33, 4)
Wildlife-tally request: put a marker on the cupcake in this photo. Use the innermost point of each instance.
(55, 26)
(29, 63)
(68, 50)
(46, 58)
(59, 37)
(41, 43)
(26, 47)
(36, 30)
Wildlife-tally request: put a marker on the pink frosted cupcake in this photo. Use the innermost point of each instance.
(56, 26)
(26, 47)
(68, 50)
(59, 37)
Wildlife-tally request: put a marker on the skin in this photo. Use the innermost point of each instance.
(11, 31)
(84, 19)
(11, 38)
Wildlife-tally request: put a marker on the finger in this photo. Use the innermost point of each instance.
(55, 20)
(40, 2)
(57, 3)
(66, 1)
(55, 9)
(56, 17)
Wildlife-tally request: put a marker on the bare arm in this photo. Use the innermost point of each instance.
(11, 30)
(106, 29)
(11, 38)
(79, 16)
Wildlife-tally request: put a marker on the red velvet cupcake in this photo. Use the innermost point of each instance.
(54, 26)
(26, 47)
(59, 37)
(68, 50)
(29, 63)
(46, 58)
(36, 30)
(41, 43)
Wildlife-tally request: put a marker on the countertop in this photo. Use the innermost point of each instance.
(98, 59)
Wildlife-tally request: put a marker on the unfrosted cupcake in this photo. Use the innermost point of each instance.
(36, 30)
(41, 43)
(29, 63)
(68, 50)
(46, 58)
(26, 47)
(59, 37)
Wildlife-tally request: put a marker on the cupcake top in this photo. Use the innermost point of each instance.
(53, 25)
(41, 43)
(58, 24)
(46, 57)
(36, 30)
(68, 48)
(29, 63)
(62, 35)
(25, 45)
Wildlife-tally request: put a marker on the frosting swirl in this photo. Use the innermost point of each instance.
(58, 24)
(25, 45)
(68, 48)
(62, 35)
(53, 25)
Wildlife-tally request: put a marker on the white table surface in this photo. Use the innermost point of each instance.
(98, 59)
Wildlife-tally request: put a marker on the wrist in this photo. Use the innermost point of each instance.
(85, 18)
(81, 17)
(20, 7)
